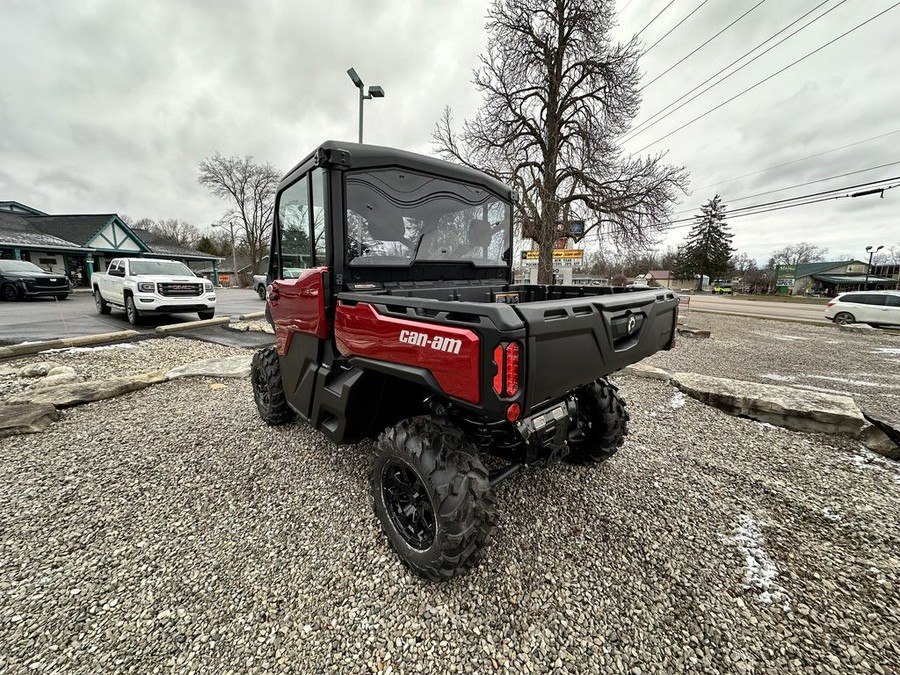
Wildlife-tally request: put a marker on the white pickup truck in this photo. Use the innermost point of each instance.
(148, 286)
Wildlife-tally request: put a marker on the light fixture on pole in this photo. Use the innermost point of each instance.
(234, 270)
(374, 92)
(871, 252)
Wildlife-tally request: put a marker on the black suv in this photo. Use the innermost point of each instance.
(21, 279)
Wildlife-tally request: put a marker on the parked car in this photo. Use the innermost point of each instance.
(261, 281)
(875, 308)
(143, 286)
(21, 279)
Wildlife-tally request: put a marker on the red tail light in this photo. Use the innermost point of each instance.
(508, 362)
(829, 304)
(498, 378)
(512, 368)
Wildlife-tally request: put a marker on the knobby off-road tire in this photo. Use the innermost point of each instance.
(433, 497)
(102, 306)
(601, 425)
(268, 390)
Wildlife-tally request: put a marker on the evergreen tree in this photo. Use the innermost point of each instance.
(707, 249)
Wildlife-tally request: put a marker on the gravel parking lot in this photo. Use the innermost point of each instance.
(170, 530)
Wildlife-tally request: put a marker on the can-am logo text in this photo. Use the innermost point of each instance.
(438, 343)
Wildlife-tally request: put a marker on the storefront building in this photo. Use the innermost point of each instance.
(78, 245)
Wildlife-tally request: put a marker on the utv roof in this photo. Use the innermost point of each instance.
(376, 156)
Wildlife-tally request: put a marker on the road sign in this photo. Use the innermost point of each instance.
(566, 257)
(684, 301)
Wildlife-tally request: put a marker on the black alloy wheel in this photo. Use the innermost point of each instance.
(10, 293)
(844, 318)
(408, 504)
(432, 496)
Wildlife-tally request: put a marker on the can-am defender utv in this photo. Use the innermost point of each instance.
(405, 326)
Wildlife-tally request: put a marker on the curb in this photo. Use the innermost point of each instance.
(252, 315)
(192, 325)
(783, 319)
(65, 343)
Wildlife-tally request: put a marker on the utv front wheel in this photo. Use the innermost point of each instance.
(268, 390)
(601, 423)
(433, 498)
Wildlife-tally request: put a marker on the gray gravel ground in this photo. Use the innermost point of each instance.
(864, 366)
(150, 533)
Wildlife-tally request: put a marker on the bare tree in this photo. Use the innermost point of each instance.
(557, 94)
(799, 254)
(175, 231)
(249, 187)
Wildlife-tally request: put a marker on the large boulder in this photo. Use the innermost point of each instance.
(56, 380)
(882, 437)
(67, 395)
(39, 369)
(787, 407)
(27, 418)
(226, 366)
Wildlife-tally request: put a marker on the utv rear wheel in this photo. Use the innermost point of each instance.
(433, 497)
(601, 423)
(268, 390)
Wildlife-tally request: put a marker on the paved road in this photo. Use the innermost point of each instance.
(44, 319)
(777, 310)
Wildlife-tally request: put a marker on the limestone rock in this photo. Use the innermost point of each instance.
(882, 437)
(857, 328)
(26, 418)
(647, 372)
(61, 370)
(787, 407)
(693, 332)
(66, 395)
(39, 369)
(55, 380)
(227, 366)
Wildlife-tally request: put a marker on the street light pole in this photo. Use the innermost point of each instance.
(871, 253)
(374, 92)
(234, 271)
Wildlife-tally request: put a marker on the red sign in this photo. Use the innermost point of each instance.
(684, 300)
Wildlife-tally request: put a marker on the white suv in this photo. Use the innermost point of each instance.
(872, 307)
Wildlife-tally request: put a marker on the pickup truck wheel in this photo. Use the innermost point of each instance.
(101, 304)
(433, 498)
(844, 318)
(601, 423)
(261, 292)
(134, 317)
(268, 390)
(206, 315)
(9, 292)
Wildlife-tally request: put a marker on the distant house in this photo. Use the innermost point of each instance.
(77, 245)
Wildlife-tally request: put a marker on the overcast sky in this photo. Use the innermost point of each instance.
(110, 105)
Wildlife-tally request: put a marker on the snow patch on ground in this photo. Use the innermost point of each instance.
(760, 571)
(87, 350)
(678, 399)
(887, 350)
(778, 378)
(858, 383)
(866, 459)
(828, 514)
(787, 338)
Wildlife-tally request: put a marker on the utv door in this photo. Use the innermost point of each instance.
(297, 296)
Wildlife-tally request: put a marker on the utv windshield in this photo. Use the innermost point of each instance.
(396, 216)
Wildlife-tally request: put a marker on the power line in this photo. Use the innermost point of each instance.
(797, 161)
(766, 79)
(800, 198)
(646, 124)
(791, 187)
(684, 58)
(669, 32)
(671, 2)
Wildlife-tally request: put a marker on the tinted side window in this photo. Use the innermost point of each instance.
(851, 298)
(892, 300)
(295, 251)
(872, 300)
(318, 217)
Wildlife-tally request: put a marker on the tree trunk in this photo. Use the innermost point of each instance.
(545, 264)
